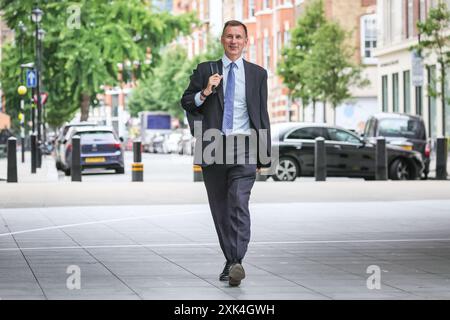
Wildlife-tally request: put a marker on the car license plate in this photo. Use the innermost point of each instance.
(95, 160)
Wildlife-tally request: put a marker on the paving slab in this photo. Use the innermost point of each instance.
(298, 251)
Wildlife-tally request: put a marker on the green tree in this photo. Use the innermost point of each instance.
(163, 87)
(78, 60)
(435, 40)
(292, 67)
(329, 69)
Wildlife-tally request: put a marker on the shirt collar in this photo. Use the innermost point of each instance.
(226, 62)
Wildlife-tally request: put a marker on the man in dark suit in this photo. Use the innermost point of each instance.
(233, 102)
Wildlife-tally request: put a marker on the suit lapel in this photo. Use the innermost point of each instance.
(249, 81)
(220, 86)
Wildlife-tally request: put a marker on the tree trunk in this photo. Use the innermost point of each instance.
(324, 112)
(334, 114)
(288, 116)
(443, 97)
(314, 111)
(85, 102)
(303, 111)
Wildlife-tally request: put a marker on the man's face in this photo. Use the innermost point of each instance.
(234, 41)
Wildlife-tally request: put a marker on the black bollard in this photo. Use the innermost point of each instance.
(75, 170)
(22, 143)
(33, 152)
(320, 160)
(381, 160)
(137, 167)
(12, 160)
(441, 158)
(39, 154)
(198, 173)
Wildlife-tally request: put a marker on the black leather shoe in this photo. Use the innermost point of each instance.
(237, 273)
(224, 276)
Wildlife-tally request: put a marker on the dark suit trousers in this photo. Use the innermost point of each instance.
(229, 187)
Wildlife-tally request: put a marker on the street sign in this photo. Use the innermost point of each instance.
(44, 96)
(417, 69)
(31, 79)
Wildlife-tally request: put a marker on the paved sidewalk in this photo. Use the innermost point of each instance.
(298, 251)
(47, 172)
(63, 194)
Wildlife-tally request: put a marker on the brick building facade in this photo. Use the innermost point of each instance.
(403, 80)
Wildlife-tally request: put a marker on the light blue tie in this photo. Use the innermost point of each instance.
(227, 123)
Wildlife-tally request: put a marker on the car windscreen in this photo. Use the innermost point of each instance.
(96, 137)
(407, 128)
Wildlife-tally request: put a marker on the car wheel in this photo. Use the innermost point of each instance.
(425, 176)
(120, 170)
(400, 169)
(58, 165)
(67, 172)
(286, 170)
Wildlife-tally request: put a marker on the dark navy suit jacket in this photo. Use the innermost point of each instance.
(210, 113)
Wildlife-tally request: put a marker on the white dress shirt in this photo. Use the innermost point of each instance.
(241, 121)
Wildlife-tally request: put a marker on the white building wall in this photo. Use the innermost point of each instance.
(215, 17)
(394, 56)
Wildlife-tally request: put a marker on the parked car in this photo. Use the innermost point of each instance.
(5, 134)
(157, 143)
(171, 143)
(347, 154)
(62, 136)
(100, 148)
(404, 130)
(186, 143)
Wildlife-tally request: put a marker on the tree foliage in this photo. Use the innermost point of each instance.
(163, 87)
(78, 59)
(317, 64)
(435, 40)
(329, 66)
(295, 54)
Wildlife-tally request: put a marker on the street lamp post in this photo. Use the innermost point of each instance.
(41, 34)
(22, 92)
(32, 115)
(36, 17)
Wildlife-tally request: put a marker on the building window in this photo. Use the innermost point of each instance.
(393, 21)
(205, 42)
(419, 100)
(387, 22)
(384, 88)
(410, 19)
(407, 91)
(115, 105)
(287, 37)
(266, 4)
(252, 50)
(279, 43)
(251, 8)
(422, 10)
(266, 53)
(432, 111)
(368, 37)
(395, 92)
(447, 102)
(201, 11)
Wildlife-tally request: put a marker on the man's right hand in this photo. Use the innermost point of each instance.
(214, 80)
